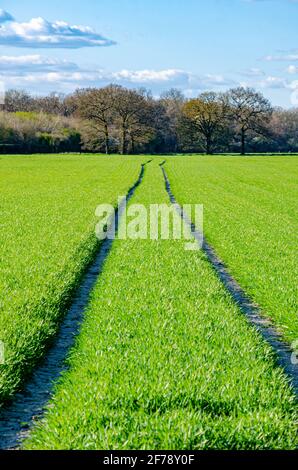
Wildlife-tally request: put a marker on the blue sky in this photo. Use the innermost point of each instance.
(193, 45)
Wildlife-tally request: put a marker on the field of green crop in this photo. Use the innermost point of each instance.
(250, 218)
(47, 217)
(165, 360)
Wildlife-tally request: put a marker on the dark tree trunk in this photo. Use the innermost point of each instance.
(107, 143)
(123, 150)
(242, 142)
(133, 147)
(208, 145)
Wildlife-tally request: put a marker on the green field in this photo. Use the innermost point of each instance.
(47, 239)
(250, 218)
(164, 358)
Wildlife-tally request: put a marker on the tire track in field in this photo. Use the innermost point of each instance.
(282, 350)
(17, 418)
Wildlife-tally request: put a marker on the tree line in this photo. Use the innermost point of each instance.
(115, 119)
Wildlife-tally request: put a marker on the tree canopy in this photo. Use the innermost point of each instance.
(115, 119)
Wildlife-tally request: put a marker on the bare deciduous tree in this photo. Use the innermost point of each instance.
(96, 105)
(17, 100)
(173, 101)
(131, 114)
(250, 110)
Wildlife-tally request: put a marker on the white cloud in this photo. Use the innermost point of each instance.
(274, 82)
(40, 33)
(58, 77)
(33, 63)
(267, 82)
(217, 80)
(293, 85)
(28, 71)
(292, 69)
(36, 72)
(170, 77)
(151, 76)
(282, 57)
(252, 72)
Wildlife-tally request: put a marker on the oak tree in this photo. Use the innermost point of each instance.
(250, 111)
(207, 114)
